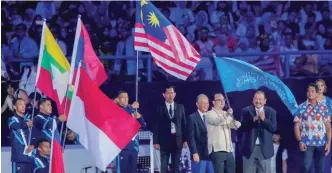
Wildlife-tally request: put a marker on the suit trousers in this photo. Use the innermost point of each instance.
(175, 159)
(257, 162)
(223, 161)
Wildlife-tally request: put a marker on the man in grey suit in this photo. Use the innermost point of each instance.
(258, 124)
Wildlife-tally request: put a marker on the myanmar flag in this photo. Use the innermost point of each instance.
(53, 69)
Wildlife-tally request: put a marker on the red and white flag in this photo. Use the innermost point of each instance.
(103, 127)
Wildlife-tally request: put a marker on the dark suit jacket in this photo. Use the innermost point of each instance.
(162, 127)
(263, 130)
(197, 136)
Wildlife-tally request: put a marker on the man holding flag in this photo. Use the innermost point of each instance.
(43, 122)
(128, 156)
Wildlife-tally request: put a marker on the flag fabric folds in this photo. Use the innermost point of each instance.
(104, 128)
(83, 50)
(169, 48)
(238, 75)
(53, 69)
(57, 164)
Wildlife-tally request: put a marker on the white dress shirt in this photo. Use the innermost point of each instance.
(168, 105)
(258, 110)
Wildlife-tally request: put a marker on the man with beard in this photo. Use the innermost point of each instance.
(258, 123)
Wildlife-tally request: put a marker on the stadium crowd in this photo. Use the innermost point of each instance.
(220, 27)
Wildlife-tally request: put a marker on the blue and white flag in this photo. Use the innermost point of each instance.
(238, 75)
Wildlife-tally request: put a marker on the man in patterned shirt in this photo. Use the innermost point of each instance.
(313, 131)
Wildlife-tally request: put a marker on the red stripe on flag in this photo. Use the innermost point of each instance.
(172, 59)
(142, 44)
(172, 47)
(178, 37)
(138, 34)
(166, 66)
(139, 25)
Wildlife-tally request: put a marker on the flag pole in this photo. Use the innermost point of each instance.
(41, 50)
(52, 145)
(71, 75)
(225, 93)
(62, 123)
(32, 116)
(136, 83)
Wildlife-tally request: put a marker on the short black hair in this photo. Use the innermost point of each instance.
(261, 92)
(277, 132)
(42, 101)
(32, 95)
(121, 92)
(40, 141)
(169, 87)
(21, 25)
(16, 100)
(313, 85)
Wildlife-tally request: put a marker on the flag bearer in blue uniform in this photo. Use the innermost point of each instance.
(41, 160)
(19, 133)
(128, 156)
(43, 121)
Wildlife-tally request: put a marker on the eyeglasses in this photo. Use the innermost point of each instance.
(222, 100)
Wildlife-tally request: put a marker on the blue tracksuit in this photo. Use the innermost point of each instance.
(43, 125)
(40, 164)
(128, 156)
(19, 134)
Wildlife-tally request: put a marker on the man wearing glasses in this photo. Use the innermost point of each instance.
(219, 125)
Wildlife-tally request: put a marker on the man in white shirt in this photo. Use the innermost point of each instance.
(219, 124)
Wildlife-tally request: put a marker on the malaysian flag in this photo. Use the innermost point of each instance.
(169, 48)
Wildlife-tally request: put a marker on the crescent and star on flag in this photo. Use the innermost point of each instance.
(152, 17)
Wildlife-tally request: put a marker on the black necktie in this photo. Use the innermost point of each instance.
(170, 111)
(204, 120)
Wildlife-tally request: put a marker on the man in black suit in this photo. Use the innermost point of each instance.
(258, 124)
(168, 131)
(197, 137)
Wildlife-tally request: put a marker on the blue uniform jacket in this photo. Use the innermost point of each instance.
(43, 125)
(40, 164)
(134, 144)
(19, 134)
